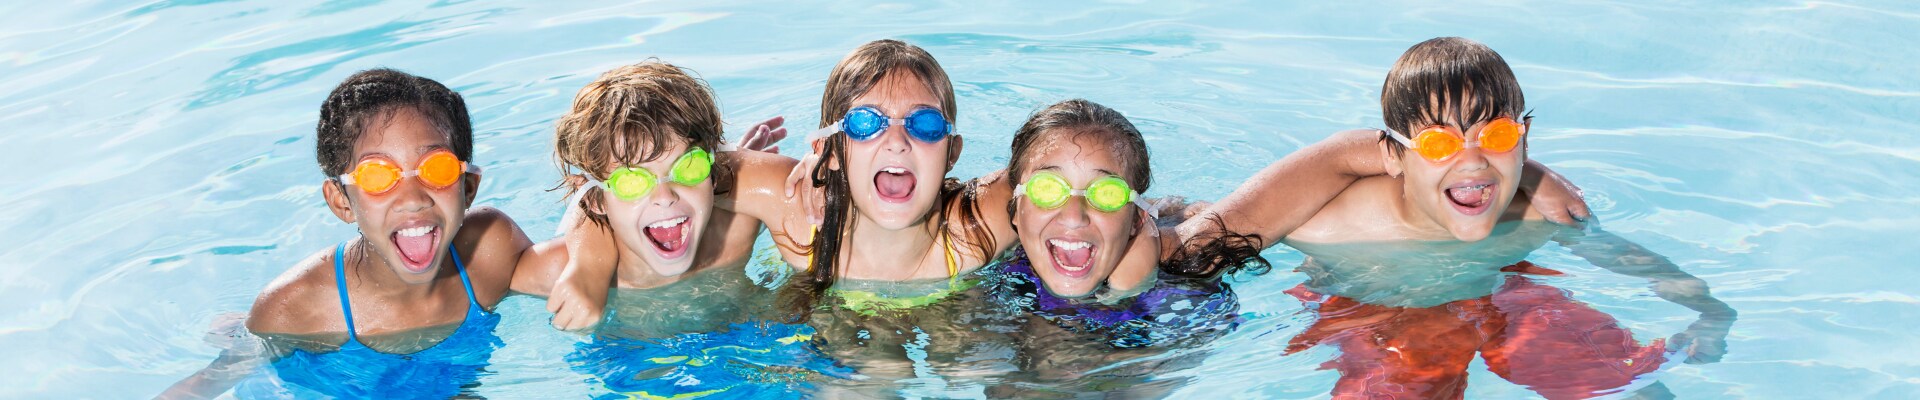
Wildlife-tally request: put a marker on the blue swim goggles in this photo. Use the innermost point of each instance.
(863, 123)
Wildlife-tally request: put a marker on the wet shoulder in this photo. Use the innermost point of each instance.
(1356, 214)
(490, 245)
(302, 301)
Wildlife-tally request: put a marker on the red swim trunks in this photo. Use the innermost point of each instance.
(1529, 333)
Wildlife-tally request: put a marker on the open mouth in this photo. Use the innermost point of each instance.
(894, 184)
(417, 246)
(1071, 257)
(1471, 198)
(669, 237)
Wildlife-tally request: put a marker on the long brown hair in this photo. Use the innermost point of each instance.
(865, 67)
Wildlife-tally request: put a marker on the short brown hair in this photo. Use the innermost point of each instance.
(1449, 80)
(630, 114)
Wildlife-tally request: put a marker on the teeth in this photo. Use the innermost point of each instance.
(416, 231)
(668, 223)
(1069, 245)
(894, 170)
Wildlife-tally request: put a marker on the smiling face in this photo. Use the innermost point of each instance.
(1075, 247)
(409, 227)
(894, 178)
(663, 227)
(1467, 194)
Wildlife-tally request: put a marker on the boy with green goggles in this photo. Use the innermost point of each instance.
(633, 182)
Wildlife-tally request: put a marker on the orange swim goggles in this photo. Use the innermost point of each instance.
(379, 174)
(1440, 143)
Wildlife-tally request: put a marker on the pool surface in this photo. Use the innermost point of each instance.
(159, 164)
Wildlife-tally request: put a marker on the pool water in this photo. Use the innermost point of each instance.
(159, 156)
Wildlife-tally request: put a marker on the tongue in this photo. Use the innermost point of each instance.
(1466, 197)
(416, 249)
(667, 238)
(894, 185)
(1074, 258)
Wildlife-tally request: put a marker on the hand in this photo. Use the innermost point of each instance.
(572, 302)
(800, 184)
(1559, 200)
(1705, 340)
(762, 136)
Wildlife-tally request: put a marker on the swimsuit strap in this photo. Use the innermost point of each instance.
(462, 267)
(953, 267)
(340, 284)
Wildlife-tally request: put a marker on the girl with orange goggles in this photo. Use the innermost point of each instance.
(380, 174)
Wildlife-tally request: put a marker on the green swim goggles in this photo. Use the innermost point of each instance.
(633, 183)
(1049, 190)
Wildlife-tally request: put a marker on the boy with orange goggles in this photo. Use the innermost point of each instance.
(1439, 143)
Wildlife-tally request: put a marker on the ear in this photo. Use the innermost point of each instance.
(1388, 159)
(953, 150)
(336, 196)
(472, 183)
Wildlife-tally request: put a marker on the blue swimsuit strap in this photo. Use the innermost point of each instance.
(346, 308)
(472, 300)
(340, 284)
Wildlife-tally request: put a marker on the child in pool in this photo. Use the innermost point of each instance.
(648, 135)
(424, 273)
(1414, 296)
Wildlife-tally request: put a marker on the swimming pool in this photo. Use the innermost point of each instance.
(160, 167)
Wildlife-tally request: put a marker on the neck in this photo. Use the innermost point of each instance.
(633, 272)
(382, 280)
(873, 248)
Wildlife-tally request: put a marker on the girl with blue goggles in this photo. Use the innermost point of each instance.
(864, 123)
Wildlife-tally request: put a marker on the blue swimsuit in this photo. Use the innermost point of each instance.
(1173, 310)
(357, 371)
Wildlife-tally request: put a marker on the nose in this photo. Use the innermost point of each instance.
(1470, 159)
(663, 195)
(894, 140)
(411, 196)
(1073, 214)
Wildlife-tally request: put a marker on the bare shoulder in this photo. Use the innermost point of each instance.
(490, 244)
(302, 301)
(1354, 213)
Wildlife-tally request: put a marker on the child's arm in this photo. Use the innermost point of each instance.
(1705, 339)
(589, 258)
(1287, 194)
(1556, 198)
(241, 354)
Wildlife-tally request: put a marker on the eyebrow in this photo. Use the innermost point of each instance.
(915, 106)
(1102, 171)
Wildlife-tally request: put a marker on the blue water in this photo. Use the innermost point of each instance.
(158, 158)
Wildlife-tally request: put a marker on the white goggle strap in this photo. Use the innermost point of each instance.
(347, 179)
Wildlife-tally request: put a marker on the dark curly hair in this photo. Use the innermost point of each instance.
(371, 96)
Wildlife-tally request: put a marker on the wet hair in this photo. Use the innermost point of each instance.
(1078, 117)
(1223, 252)
(865, 67)
(370, 97)
(1448, 81)
(632, 114)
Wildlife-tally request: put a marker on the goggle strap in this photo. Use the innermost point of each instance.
(824, 132)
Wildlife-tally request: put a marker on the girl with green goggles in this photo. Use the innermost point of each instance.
(1049, 190)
